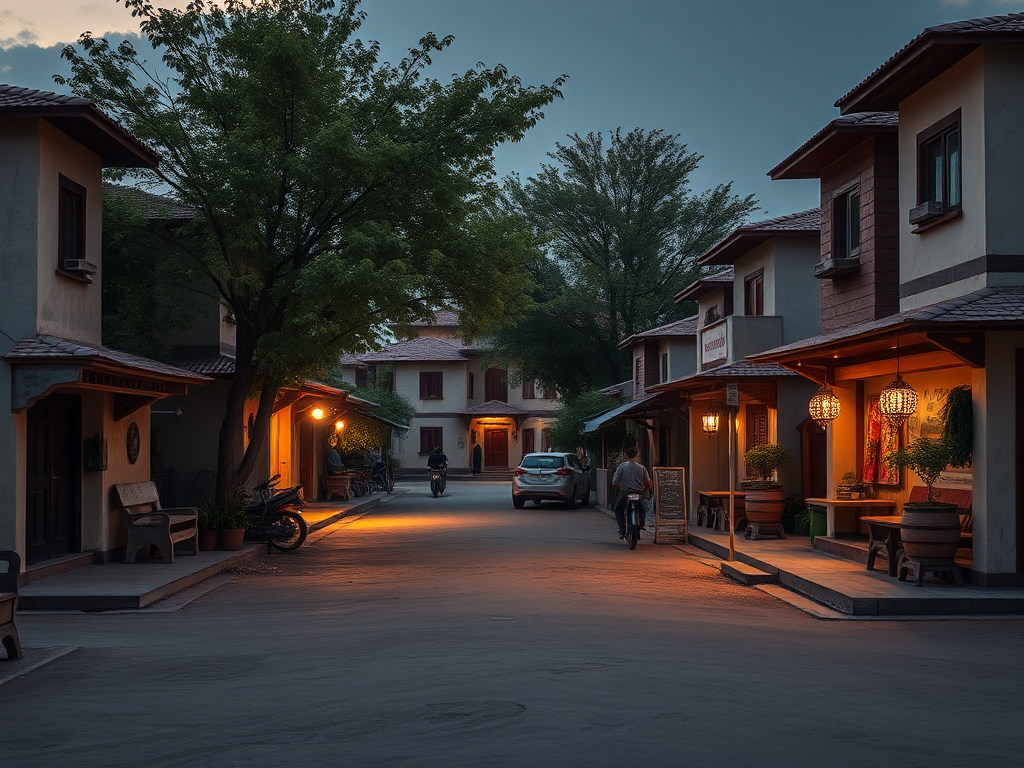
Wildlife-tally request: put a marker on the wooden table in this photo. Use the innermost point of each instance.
(884, 538)
(852, 505)
(716, 504)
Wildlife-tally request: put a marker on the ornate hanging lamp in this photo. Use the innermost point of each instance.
(898, 401)
(824, 406)
(709, 420)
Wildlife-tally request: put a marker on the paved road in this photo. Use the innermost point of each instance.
(461, 632)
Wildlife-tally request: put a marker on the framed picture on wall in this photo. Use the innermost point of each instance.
(927, 423)
(881, 438)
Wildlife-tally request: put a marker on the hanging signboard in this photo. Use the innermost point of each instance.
(670, 502)
(732, 395)
(714, 344)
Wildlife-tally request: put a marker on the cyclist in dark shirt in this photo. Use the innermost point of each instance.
(437, 460)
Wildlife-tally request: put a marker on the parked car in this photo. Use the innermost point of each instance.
(551, 477)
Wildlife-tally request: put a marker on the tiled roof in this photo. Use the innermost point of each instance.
(350, 359)
(444, 317)
(211, 366)
(685, 327)
(422, 349)
(748, 236)
(53, 349)
(832, 142)
(493, 408)
(965, 34)
(16, 96)
(987, 306)
(154, 207)
(615, 389)
(741, 369)
(702, 285)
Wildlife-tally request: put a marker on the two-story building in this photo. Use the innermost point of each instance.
(460, 400)
(79, 413)
(923, 276)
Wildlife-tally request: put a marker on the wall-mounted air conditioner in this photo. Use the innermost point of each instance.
(83, 266)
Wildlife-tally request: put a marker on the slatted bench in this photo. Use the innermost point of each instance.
(148, 524)
(9, 603)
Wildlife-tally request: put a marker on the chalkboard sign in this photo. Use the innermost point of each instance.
(670, 501)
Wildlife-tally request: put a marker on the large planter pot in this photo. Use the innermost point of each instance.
(231, 540)
(930, 531)
(208, 539)
(764, 507)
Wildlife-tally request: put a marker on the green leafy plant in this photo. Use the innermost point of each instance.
(957, 416)
(927, 457)
(764, 461)
(228, 515)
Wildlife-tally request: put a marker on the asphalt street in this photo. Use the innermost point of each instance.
(462, 632)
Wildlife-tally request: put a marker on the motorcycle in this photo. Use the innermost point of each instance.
(275, 515)
(636, 516)
(380, 476)
(438, 480)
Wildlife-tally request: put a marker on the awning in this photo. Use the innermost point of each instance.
(755, 379)
(635, 409)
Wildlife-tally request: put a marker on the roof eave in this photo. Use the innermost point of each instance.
(824, 149)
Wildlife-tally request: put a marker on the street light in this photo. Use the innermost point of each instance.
(317, 413)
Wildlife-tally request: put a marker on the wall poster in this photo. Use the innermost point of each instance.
(927, 423)
(881, 439)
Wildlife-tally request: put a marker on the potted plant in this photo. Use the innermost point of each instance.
(209, 524)
(930, 529)
(764, 503)
(850, 487)
(957, 416)
(233, 519)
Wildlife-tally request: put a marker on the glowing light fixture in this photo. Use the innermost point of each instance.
(898, 401)
(339, 425)
(709, 421)
(824, 406)
(317, 413)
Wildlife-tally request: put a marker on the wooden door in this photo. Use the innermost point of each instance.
(52, 471)
(528, 440)
(814, 464)
(496, 447)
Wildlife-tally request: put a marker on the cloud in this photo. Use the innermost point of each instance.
(26, 35)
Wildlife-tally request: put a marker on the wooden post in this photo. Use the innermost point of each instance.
(732, 485)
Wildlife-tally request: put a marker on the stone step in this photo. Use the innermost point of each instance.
(747, 574)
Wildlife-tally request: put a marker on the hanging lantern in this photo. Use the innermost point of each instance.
(898, 401)
(824, 406)
(709, 422)
(317, 413)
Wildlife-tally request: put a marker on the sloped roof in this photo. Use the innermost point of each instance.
(832, 142)
(748, 236)
(685, 327)
(988, 306)
(83, 121)
(52, 349)
(927, 55)
(493, 408)
(705, 284)
(442, 317)
(152, 206)
(211, 366)
(615, 390)
(736, 371)
(422, 349)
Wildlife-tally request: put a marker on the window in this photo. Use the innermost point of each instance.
(496, 385)
(638, 374)
(528, 440)
(362, 377)
(543, 462)
(471, 387)
(664, 366)
(71, 229)
(430, 385)
(753, 293)
(550, 393)
(846, 224)
(545, 439)
(529, 389)
(430, 438)
(938, 171)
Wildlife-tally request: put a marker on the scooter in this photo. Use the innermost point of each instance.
(275, 515)
(636, 517)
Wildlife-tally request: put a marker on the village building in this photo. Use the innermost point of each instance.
(79, 413)
(461, 400)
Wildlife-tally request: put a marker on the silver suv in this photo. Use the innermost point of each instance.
(551, 477)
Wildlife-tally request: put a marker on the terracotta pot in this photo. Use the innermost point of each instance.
(208, 539)
(231, 540)
(764, 507)
(930, 531)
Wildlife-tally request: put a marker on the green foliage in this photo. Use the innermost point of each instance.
(331, 191)
(765, 460)
(228, 514)
(957, 416)
(927, 457)
(567, 431)
(618, 232)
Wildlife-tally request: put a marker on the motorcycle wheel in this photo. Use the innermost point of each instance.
(287, 532)
(433, 488)
(632, 536)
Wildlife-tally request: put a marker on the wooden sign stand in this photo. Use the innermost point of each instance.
(670, 503)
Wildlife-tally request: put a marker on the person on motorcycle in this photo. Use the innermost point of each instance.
(630, 477)
(437, 460)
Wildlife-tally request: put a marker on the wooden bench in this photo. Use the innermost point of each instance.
(9, 603)
(148, 524)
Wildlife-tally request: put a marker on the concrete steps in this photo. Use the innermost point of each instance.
(746, 574)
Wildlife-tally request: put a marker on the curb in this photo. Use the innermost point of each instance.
(358, 509)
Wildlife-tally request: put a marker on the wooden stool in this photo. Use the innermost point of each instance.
(754, 530)
(917, 569)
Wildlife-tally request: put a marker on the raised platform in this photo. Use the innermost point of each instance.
(846, 585)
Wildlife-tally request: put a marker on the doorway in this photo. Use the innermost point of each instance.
(53, 446)
(814, 460)
(496, 448)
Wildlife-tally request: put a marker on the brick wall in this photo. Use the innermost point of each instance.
(873, 290)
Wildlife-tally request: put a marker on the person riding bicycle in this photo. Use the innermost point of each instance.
(630, 477)
(437, 460)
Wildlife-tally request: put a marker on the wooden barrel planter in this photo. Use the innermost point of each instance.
(764, 507)
(930, 531)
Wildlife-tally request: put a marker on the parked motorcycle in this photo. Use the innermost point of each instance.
(275, 515)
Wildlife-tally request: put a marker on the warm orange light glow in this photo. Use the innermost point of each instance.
(317, 413)
(339, 425)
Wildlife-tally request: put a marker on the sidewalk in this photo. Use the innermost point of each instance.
(121, 586)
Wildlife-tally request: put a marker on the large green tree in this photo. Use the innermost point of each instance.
(620, 231)
(332, 191)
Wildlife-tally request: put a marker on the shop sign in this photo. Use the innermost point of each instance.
(714, 343)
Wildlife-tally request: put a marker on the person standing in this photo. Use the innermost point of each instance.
(478, 459)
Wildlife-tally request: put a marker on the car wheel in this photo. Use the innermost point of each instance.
(518, 502)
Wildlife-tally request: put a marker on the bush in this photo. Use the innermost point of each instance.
(567, 431)
(765, 460)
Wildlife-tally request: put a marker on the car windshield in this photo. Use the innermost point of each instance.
(542, 462)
